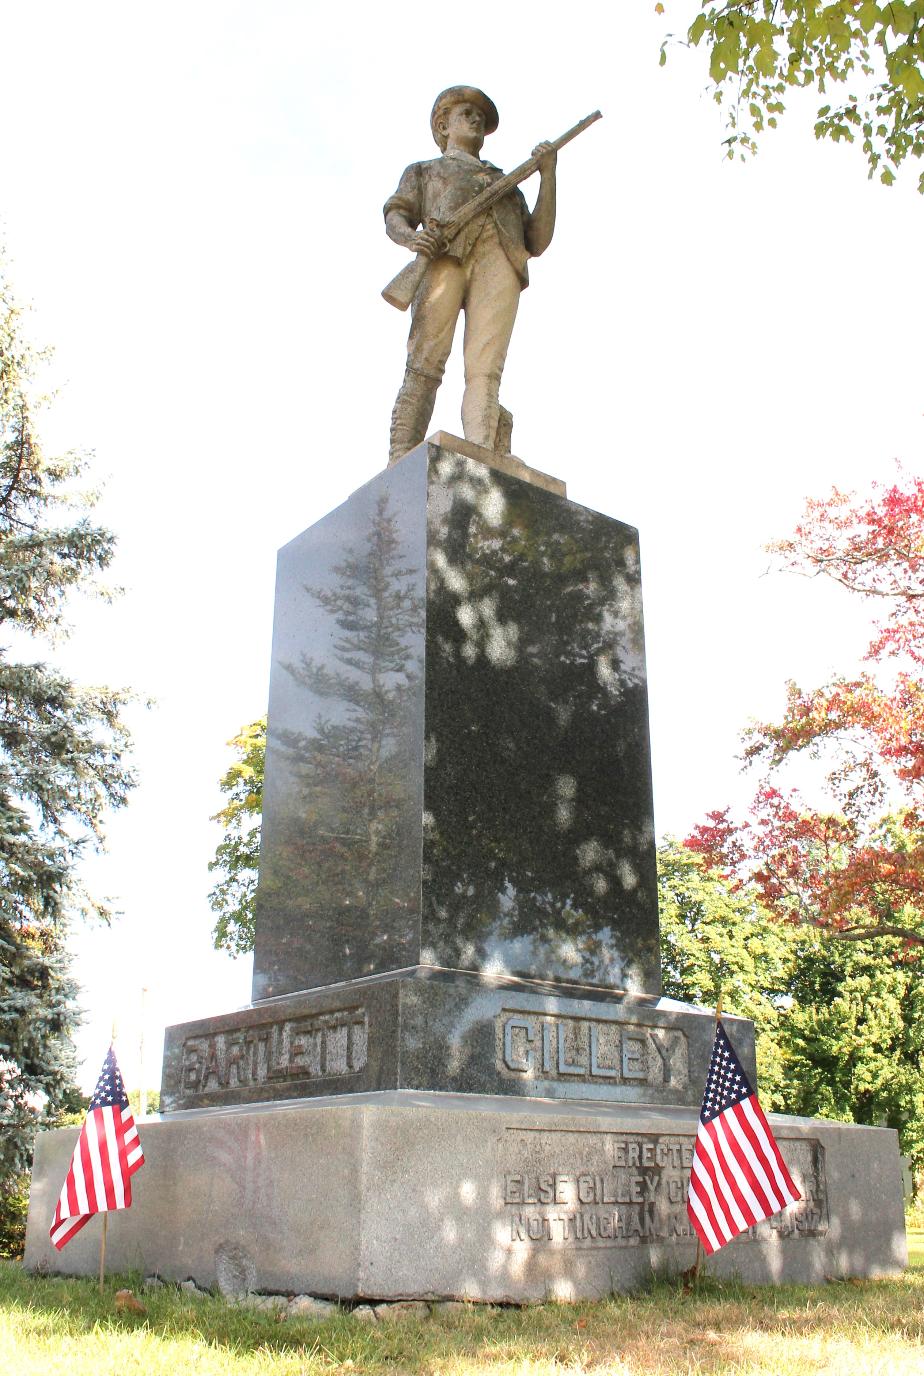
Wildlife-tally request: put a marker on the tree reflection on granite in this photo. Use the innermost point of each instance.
(538, 851)
(458, 772)
(342, 814)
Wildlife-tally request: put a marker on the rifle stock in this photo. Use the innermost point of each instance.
(400, 290)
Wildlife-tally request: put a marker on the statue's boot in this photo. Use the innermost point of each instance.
(503, 440)
(481, 408)
(412, 413)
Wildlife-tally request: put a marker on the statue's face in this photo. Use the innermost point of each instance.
(464, 127)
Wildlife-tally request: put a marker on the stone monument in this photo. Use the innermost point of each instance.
(457, 1076)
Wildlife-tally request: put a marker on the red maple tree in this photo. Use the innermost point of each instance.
(855, 868)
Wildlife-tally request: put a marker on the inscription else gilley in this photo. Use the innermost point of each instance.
(620, 1190)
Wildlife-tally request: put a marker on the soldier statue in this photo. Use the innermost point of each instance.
(480, 269)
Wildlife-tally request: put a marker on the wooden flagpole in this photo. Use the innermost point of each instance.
(102, 1252)
(699, 1246)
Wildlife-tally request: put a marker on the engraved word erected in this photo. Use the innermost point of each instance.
(619, 1189)
(303, 1048)
(543, 1047)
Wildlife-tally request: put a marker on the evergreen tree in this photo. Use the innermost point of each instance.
(62, 751)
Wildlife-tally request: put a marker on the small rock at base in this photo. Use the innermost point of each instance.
(189, 1287)
(403, 1309)
(266, 1304)
(307, 1307)
(451, 1307)
(153, 1283)
(364, 1313)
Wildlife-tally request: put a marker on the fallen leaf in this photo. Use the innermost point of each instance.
(125, 1300)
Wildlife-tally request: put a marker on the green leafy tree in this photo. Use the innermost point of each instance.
(840, 1031)
(759, 50)
(62, 751)
(715, 938)
(237, 857)
(853, 1043)
(134, 1101)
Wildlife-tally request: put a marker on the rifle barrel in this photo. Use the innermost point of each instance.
(504, 185)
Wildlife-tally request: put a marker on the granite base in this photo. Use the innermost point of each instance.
(403, 1195)
(449, 1032)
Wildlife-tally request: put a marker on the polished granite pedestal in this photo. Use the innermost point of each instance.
(457, 1076)
(458, 767)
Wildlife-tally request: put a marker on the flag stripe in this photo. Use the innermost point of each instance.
(134, 1156)
(747, 1164)
(705, 1189)
(705, 1232)
(114, 1143)
(717, 1175)
(741, 1127)
(750, 1204)
(68, 1228)
(86, 1166)
(82, 1198)
(785, 1185)
(697, 1208)
(99, 1156)
(69, 1201)
(727, 1168)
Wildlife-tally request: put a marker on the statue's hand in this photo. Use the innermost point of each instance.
(548, 157)
(427, 242)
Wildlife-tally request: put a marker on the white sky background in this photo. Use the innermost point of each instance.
(191, 195)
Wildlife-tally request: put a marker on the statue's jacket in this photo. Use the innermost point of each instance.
(438, 188)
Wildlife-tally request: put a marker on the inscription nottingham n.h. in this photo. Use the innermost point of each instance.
(541, 1046)
(290, 1049)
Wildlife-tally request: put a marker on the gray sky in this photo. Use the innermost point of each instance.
(191, 196)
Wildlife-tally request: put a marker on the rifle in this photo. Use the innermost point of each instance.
(400, 290)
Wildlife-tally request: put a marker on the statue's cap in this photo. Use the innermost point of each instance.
(456, 95)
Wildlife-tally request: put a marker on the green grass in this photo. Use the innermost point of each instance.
(59, 1327)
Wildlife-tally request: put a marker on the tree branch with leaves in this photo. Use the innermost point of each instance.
(855, 868)
(760, 50)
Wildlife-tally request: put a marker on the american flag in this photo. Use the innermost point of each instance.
(738, 1176)
(105, 1158)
